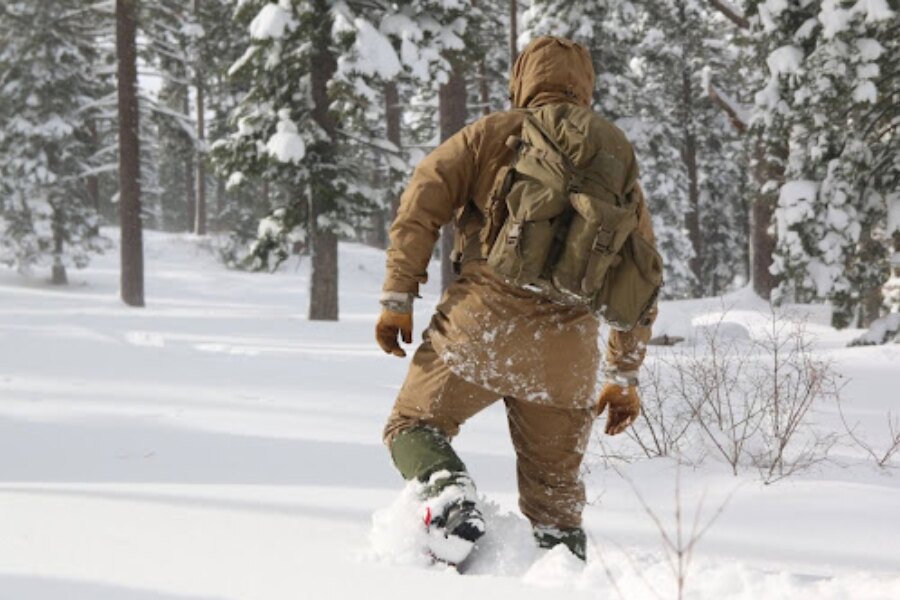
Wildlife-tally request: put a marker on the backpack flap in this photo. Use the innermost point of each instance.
(527, 237)
(632, 285)
(598, 229)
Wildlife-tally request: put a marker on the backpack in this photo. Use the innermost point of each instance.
(561, 219)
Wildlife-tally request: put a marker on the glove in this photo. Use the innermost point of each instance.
(624, 406)
(389, 325)
(396, 318)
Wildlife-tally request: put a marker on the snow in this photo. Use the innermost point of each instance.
(272, 22)
(865, 91)
(784, 60)
(893, 220)
(881, 331)
(375, 54)
(234, 180)
(875, 10)
(286, 145)
(216, 444)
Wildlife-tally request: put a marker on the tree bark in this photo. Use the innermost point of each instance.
(190, 188)
(323, 296)
(452, 115)
(731, 14)
(762, 240)
(132, 251)
(200, 220)
(393, 115)
(484, 90)
(92, 182)
(870, 251)
(513, 32)
(220, 203)
(689, 157)
(58, 271)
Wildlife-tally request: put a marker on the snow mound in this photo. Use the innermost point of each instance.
(881, 331)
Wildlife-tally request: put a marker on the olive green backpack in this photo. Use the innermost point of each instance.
(562, 217)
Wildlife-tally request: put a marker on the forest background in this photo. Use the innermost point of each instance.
(765, 130)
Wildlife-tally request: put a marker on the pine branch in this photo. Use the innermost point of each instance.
(737, 120)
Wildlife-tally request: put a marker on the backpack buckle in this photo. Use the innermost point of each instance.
(603, 241)
(514, 233)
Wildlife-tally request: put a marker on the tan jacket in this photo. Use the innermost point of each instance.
(503, 338)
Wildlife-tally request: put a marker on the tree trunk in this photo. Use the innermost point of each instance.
(513, 32)
(323, 298)
(689, 157)
(58, 273)
(220, 203)
(132, 251)
(484, 90)
(452, 115)
(871, 299)
(200, 220)
(323, 295)
(393, 114)
(762, 239)
(92, 182)
(189, 172)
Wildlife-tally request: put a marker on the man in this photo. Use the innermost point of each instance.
(489, 340)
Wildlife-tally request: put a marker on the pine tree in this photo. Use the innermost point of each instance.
(288, 134)
(48, 105)
(839, 163)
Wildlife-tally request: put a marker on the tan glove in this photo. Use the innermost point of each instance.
(624, 406)
(389, 325)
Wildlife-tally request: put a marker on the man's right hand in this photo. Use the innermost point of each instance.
(390, 324)
(395, 319)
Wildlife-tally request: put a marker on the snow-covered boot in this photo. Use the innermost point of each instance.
(449, 509)
(451, 517)
(572, 538)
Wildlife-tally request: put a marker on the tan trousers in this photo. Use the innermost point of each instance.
(549, 442)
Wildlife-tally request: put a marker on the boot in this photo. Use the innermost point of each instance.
(572, 538)
(451, 515)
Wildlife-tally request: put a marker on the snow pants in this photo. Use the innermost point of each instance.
(549, 441)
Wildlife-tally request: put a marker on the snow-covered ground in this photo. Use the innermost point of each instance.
(216, 444)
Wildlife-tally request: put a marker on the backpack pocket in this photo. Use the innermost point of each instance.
(631, 286)
(596, 233)
(527, 237)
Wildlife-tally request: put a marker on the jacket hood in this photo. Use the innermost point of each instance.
(551, 70)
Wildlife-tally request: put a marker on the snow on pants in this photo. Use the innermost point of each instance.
(549, 441)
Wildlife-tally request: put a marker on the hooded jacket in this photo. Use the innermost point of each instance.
(505, 339)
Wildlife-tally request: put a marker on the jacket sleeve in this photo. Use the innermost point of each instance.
(439, 186)
(625, 350)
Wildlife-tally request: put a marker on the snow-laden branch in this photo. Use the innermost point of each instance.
(731, 13)
(737, 113)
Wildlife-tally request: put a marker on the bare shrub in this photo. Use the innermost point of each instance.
(679, 538)
(792, 381)
(881, 456)
(663, 424)
(711, 380)
(751, 401)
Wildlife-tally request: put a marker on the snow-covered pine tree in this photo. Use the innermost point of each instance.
(48, 101)
(288, 134)
(654, 61)
(841, 161)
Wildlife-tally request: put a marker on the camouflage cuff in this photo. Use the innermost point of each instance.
(397, 302)
(623, 378)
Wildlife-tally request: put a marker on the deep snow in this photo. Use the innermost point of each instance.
(217, 445)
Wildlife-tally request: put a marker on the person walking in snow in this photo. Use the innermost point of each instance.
(552, 233)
